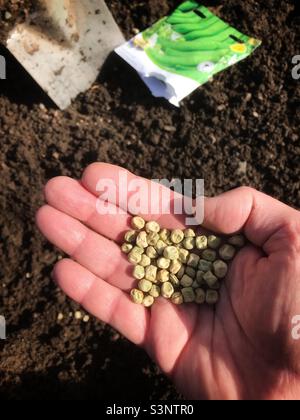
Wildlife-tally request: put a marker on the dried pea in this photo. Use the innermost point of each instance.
(210, 279)
(163, 276)
(145, 285)
(195, 284)
(189, 233)
(212, 297)
(126, 248)
(138, 272)
(227, 252)
(183, 255)
(174, 280)
(148, 301)
(199, 277)
(204, 265)
(189, 243)
(130, 236)
(154, 291)
(152, 226)
(200, 296)
(145, 261)
(177, 236)
(137, 223)
(201, 242)
(220, 268)
(171, 252)
(135, 255)
(141, 240)
(151, 273)
(180, 272)
(137, 296)
(152, 238)
(209, 255)
(151, 252)
(163, 263)
(177, 298)
(167, 290)
(186, 281)
(175, 267)
(237, 240)
(188, 294)
(193, 260)
(214, 242)
(191, 272)
(160, 246)
(164, 234)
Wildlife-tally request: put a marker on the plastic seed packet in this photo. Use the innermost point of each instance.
(184, 50)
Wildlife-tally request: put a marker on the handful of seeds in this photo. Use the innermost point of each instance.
(178, 265)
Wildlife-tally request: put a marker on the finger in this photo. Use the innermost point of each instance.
(158, 201)
(102, 300)
(258, 215)
(96, 253)
(69, 196)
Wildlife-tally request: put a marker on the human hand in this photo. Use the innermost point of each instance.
(241, 350)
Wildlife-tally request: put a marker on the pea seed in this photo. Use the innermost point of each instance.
(137, 296)
(177, 236)
(193, 260)
(138, 272)
(186, 281)
(220, 268)
(214, 242)
(175, 267)
(201, 242)
(177, 298)
(195, 284)
(130, 236)
(151, 252)
(167, 290)
(148, 301)
(169, 242)
(152, 238)
(212, 297)
(145, 285)
(189, 243)
(171, 252)
(145, 261)
(188, 294)
(164, 234)
(152, 227)
(160, 246)
(137, 223)
(209, 255)
(189, 233)
(155, 291)
(227, 252)
(199, 277)
(180, 273)
(135, 255)
(174, 280)
(237, 240)
(141, 240)
(191, 272)
(183, 255)
(163, 276)
(163, 263)
(151, 273)
(204, 265)
(126, 248)
(200, 296)
(210, 279)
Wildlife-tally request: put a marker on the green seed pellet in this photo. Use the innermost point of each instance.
(204, 265)
(138, 272)
(171, 252)
(189, 243)
(177, 298)
(186, 281)
(183, 255)
(210, 279)
(174, 280)
(164, 234)
(135, 256)
(188, 294)
(137, 296)
(151, 273)
(152, 238)
(191, 272)
(200, 296)
(181, 272)
(145, 261)
(220, 269)
(189, 233)
(160, 246)
(163, 263)
(209, 255)
(151, 252)
(130, 236)
(154, 291)
(212, 297)
(144, 285)
(237, 240)
(148, 301)
(199, 277)
(177, 236)
(141, 240)
(152, 226)
(227, 252)
(138, 223)
(126, 248)
(193, 260)
(175, 267)
(214, 242)
(167, 290)
(201, 242)
(163, 276)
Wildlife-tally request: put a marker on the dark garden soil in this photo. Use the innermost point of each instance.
(243, 128)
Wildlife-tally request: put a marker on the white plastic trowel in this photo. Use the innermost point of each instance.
(64, 44)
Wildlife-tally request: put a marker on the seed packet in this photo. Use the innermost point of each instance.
(184, 50)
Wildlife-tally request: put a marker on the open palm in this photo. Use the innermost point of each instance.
(241, 349)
